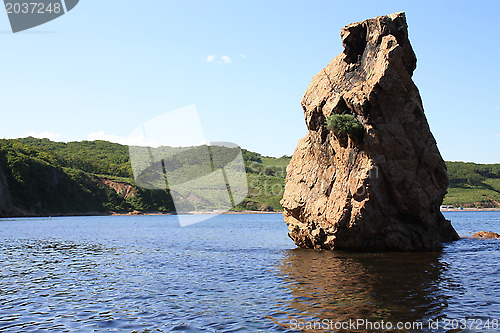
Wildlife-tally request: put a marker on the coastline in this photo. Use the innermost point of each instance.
(242, 212)
(470, 209)
(215, 212)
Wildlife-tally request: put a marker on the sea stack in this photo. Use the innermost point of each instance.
(378, 188)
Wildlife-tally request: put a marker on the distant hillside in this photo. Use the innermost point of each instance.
(42, 177)
(473, 185)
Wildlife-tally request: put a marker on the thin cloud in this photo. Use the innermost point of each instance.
(244, 56)
(43, 135)
(497, 135)
(218, 60)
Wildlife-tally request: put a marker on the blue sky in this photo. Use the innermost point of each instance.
(108, 66)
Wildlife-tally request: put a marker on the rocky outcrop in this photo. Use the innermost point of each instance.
(380, 190)
(124, 190)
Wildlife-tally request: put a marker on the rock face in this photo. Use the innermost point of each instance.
(122, 189)
(380, 191)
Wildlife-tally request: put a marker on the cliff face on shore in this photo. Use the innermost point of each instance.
(380, 190)
(5, 198)
(55, 199)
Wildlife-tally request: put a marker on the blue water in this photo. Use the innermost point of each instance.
(233, 273)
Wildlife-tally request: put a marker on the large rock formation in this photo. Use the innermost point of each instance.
(380, 190)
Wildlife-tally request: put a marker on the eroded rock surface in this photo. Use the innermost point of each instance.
(122, 189)
(381, 191)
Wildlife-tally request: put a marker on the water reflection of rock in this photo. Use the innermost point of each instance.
(395, 287)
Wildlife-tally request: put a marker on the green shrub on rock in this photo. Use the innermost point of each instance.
(344, 123)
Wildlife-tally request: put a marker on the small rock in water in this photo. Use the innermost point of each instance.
(486, 234)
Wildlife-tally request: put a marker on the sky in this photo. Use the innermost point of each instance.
(107, 67)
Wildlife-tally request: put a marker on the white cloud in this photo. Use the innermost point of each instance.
(226, 59)
(244, 56)
(43, 135)
(128, 141)
(218, 60)
(497, 135)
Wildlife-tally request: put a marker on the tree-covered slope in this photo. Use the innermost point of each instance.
(45, 177)
(473, 185)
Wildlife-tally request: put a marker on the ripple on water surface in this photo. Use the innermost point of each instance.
(231, 273)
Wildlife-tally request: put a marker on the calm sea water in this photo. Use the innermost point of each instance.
(234, 273)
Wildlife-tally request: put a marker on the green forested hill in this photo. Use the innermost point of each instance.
(45, 177)
(42, 177)
(473, 185)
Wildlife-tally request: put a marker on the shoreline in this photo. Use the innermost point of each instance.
(242, 212)
(470, 210)
(215, 212)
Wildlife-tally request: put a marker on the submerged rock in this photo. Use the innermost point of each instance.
(380, 190)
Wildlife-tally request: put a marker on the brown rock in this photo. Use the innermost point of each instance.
(486, 234)
(381, 191)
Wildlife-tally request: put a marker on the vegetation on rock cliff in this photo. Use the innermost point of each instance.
(344, 123)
